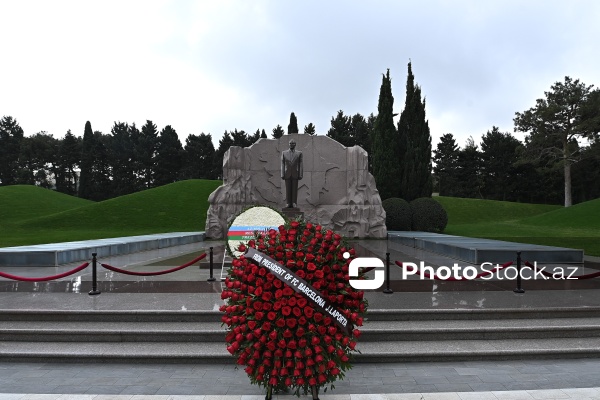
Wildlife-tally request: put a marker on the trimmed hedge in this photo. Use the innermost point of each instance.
(428, 215)
(398, 214)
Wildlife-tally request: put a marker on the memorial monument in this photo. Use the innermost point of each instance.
(335, 188)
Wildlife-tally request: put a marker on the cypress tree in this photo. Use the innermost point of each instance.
(293, 125)
(385, 143)
(414, 144)
(87, 162)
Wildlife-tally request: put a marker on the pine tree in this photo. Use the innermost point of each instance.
(263, 134)
(11, 136)
(413, 131)
(199, 156)
(121, 159)
(278, 132)
(293, 125)
(446, 163)
(340, 130)
(145, 153)
(310, 129)
(69, 158)
(385, 143)
(169, 157)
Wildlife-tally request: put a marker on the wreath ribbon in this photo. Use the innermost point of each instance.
(299, 285)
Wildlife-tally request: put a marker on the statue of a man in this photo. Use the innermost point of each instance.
(291, 172)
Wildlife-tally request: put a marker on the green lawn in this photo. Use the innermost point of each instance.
(575, 227)
(30, 215)
(180, 206)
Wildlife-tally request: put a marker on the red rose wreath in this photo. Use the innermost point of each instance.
(285, 337)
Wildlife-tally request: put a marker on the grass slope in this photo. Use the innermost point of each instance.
(469, 211)
(573, 227)
(180, 206)
(21, 202)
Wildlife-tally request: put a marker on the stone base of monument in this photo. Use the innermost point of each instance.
(292, 212)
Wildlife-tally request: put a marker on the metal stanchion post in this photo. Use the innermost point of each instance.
(94, 290)
(519, 289)
(212, 278)
(387, 275)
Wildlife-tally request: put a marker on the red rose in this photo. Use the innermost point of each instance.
(319, 274)
(297, 312)
(287, 310)
(271, 315)
(290, 322)
(259, 315)
(311, 266)
(308, 311)
(280, 322)
(287, 333)
(301, 302)
(294, 224)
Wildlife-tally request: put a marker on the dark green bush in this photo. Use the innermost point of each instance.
(398, 214)
(428, 215)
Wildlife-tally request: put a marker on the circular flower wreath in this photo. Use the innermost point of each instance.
(283, 341)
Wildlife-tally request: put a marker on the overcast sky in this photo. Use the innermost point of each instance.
(211, 66)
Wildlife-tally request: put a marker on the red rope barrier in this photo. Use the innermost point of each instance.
(45, 278)
(429, 276)
(168, 271)
(548, 274)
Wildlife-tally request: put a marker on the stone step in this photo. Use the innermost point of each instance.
(174, 332)
(474, 350)
(372, 315)
(100, 316)
(371, 352)
(372, 331)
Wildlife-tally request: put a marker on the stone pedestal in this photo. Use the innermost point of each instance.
(292, 213)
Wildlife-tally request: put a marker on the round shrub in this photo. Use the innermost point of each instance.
(428, 215)
(397, 214)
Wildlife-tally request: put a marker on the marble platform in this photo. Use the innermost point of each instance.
(54, 254)
(477, 251)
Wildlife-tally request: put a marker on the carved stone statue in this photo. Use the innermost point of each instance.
(291, 172)
(336, 191)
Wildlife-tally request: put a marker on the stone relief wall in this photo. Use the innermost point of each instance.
(337, 190)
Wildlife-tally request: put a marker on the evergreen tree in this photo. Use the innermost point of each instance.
(340, 130)
(68, 161)
(385, 143)
(570, 112)
(121, 160)
(263, 134)
(169, 157)
(498, 157)
(199, 157)
(224, 144)
(413, 130)
(293, 125)
(87, 161)
(310, 129)
(469, 171)
(254, 138)
(240, 138)
(101, 187)
(37, 155)
(360, 131)
(145, 154)
(278, 132)
(11, 136)
(446, 164)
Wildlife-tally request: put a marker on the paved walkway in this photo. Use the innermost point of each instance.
(534, 379)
